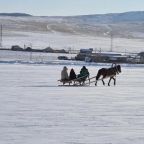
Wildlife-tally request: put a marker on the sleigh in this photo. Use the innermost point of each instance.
(80, 81)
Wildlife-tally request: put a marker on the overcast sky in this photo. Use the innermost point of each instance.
(70, 7)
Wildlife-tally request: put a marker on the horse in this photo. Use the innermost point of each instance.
(108, 72)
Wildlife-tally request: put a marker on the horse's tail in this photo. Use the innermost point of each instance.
(98, 75)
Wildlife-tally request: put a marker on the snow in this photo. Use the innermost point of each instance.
(30, 57)
(58, 40)
(35, 110)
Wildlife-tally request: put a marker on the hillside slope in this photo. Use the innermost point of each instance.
(128, 25)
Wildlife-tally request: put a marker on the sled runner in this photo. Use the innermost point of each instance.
(75, 82)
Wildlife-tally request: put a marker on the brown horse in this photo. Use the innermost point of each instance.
(108, 72)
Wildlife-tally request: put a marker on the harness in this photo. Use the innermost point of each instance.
(115, 67)
(117, 70)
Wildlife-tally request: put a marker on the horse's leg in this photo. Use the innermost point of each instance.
(98, 76)
(96, 83)
(103, 82)
(104, 76)
(109, 81)
(114, 80)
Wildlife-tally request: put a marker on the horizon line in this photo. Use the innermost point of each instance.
(69, 15)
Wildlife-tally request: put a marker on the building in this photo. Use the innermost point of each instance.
(110, 57)
(141, 55)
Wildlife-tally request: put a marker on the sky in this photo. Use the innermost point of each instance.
(70, 7)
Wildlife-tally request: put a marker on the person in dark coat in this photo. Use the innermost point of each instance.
(72, 75)
(84, 72)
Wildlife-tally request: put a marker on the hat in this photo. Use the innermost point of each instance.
(84, 67)
(65, 68)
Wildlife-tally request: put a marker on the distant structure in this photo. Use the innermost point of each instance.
(86, 51)
(108, 57)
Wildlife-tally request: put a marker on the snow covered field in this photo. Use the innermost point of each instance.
(34, 110)
(60, 41)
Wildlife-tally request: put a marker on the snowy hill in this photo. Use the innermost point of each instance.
(75, 31)
(129, 24)
(113, 17)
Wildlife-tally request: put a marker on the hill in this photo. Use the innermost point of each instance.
(128, 24)
(14, 14)
(127, 29)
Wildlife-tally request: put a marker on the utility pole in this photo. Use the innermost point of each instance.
(111, 37)
(1, 35)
